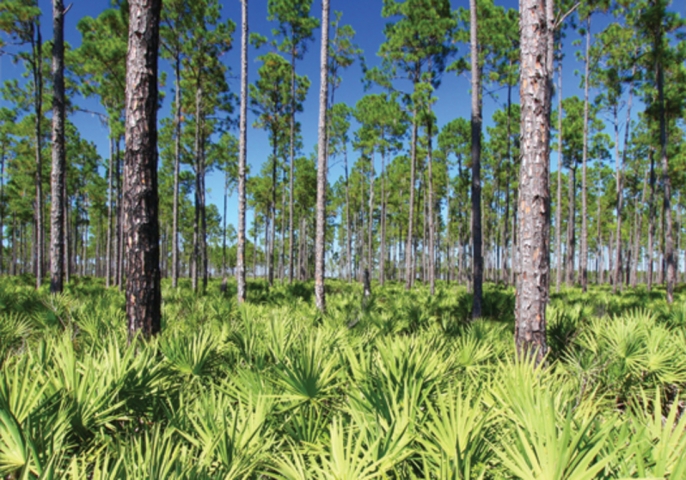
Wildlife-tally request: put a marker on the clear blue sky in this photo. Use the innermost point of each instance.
(365, 18)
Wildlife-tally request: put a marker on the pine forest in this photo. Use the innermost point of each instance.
(343, 239)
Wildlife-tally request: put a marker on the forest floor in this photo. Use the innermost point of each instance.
(399, 386)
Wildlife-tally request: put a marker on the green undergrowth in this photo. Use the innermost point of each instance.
(400, 386)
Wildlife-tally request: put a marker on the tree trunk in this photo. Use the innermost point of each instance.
(571, 227)
(320, 237)
(670, 263)
(558, 210)
(382, 247)
(177, 162)
(37, 44)
(143, 296)
(292, 169)
(370, 221)
(348, 235)
(58, 153)
(651, 220)
(583, 259)
(409, 278)
(534, 193)
(432, 243)
(242, 151)
(477, 264)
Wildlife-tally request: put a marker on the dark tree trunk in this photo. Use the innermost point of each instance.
(478, 261)
(571, 227)
(143, 296)
(58, 153)
(651, 221)
(177, 162)
(583, 258)
(320, 233)
(39, 247)
(534, 192)
(409, 270)
(242, 151)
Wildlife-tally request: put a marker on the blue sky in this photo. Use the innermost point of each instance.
(364, 16)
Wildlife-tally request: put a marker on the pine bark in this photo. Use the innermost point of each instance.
(140, 199)
(242, 151)
(320, 235)
(37, 47)
(583, 259)
(177, 162)
(558, 210)
(478, 262)
(409, 271)
(58, 151)
(534, 192)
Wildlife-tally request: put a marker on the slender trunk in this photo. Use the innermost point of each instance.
(347, 217)
(409, 278)
(571, 227)
(242, 151)
(320, 238)
(558, 210)
(637, 235)
(272, 216)
(370, 221)
(143, 296)
(534, 192)
(37, 42)
(65, 221)
(651, 220)
(583, 260)
(382, 254)
(197, 261)
(58, 153)
(669, 259)
(477, 263)
(432, 244)
(110, 199)
(177, 162)
(292, 169)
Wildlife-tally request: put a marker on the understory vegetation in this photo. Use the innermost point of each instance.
(399, 385)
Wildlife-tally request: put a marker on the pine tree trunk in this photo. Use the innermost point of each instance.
(409, 271)
(143, 296)
(177, 162)
(370, 218)
(558, 210)
(571, 230)
(382, 248)
(583, 260)
(242, 151)
(669, 260)
(534, 193)
(348, 234)
(37, 44)
(432, 243)
(292, 169)
(638, 216)
(58, 153)
(651, 221)
(477, 264)
(320, 237)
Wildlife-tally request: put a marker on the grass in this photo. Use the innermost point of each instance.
(272, 389)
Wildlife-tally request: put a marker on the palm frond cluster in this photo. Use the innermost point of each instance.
(400, 386)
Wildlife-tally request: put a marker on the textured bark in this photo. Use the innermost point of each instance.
(651, 221)
(409, 271)
(242, 151)
(669, 259)
(478, 261)
(37, 47)
(348, 235)
(583, 259)
(320, 237)
(58, 153)
(558, 210)
(432, 243)
(292, 170)
(571, 227)
(534, 192)
(110, 199)
(177, 161)
(140, 199)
